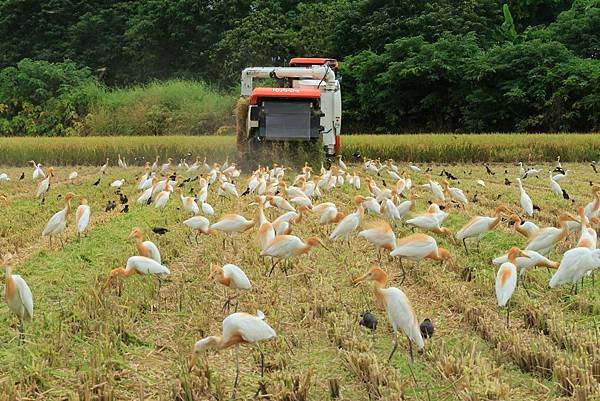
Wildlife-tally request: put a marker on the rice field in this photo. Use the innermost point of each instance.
(131, 342)
(442, 148)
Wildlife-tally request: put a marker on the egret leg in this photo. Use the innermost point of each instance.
(237, 366)
(465, 245)
(403, 271)
(379, 255)
(21, 331)
(196, 238)
(478, 248)
(273, 266)
(410, 350)
(395, 346)
(526, 289)
(226, 305)
(593, 279)
(508, 315)
(159, 285)
(262, 361)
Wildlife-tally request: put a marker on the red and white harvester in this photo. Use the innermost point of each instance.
(306, 105)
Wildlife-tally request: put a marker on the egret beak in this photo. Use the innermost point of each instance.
(323, 245)
(360, 279)
(192, 362)
(107, 283)
(524, 255)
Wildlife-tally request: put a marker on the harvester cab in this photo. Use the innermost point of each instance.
(305, 105)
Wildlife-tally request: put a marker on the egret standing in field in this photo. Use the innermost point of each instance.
(478, 226)
(399, 310)
(18, 296)
(145, 248)
(555, 186)
(232, 223)
(506, 280)
(266, 232)
(57, 223)
(139, 265)
(527, 229)
(73, 176)
(199, 224)
(455, 193)
(117, 184)
(238, 328)
(82, 217)
(381, 235)
(418, 247)
(525, 200)
(188, 203)
(37, 171)
(350, 222)
(547, 238)
(575, 264)
(523, 264)
(104, 167)
(284, 247)
(44, 185)
(233, 277)
(162, 199)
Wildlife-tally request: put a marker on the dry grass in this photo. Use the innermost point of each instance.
(89, 344)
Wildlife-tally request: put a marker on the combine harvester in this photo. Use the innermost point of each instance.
(305, 106)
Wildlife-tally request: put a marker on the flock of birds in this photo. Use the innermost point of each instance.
(293, 197)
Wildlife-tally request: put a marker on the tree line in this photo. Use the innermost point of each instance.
(406, 66)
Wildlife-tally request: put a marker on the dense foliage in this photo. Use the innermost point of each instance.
(471, 65)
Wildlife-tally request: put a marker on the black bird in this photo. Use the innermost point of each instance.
(191, 191)
(449, 175)
(160, 230)
(442, 173)
(110, 206)
(123, 198)
(427, 328)
(173, 177)
(428, 169)
(125, 209)
(499, 196)
(96, 183)
(505, 171)
(22, 176)
(187, 179)
(368, 320)
(357, 156)
(506, 181)
(489, 171)
(474, 200)
(384, 184)
(593, 164)
(536, 207)
(565, 194)
(181, 185)
(246, 192)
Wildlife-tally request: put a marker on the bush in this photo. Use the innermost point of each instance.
(42, 98)
(161, 108)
